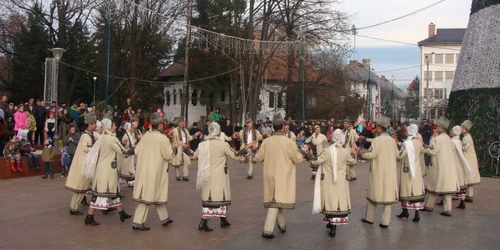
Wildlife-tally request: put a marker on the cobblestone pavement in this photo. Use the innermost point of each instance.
(34, 215)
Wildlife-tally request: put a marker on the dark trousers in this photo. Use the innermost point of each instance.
(32, 160)
(2, 146)
(30, 137)
(49, 169)
(427, 159)
(50, 136)
(39, 135)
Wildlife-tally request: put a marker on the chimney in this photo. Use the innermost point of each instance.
(383, 78)
(432, 30)
(353, 63)
(366, 63)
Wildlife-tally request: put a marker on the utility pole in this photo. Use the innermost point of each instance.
(394, 116)
(186, 63)
(108, 38)
(301, 75)
(369, 93)
(427, 115)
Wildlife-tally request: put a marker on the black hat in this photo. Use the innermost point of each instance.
(195, 124)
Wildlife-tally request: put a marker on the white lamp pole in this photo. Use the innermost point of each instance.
(95, 79)
(342, 99)
(58, 53)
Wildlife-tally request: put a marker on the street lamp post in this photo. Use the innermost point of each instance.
(95, 79)
(342, 99)
(58, 53)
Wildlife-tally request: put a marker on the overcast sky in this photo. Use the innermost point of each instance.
(412, 29)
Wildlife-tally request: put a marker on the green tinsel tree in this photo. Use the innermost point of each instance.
(476, 89)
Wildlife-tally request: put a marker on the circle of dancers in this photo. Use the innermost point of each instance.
(144, 162)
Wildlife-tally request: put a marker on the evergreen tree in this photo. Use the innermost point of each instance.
(27, 62)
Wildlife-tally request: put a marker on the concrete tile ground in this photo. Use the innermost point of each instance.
(34, 215)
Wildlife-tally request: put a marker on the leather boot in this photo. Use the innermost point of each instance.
(19, 169)
(84, 201)
(141, 228)
(417, 216)
(204, 226)
(224, 222)
(12, 168)
(462, 204)
(333, 230)
(124, 216)
(403, 214)
(90, 220)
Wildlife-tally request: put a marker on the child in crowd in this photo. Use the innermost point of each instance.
(50, 128)
(11, 151)
(27, 150)
(48, 160)
(31, 125)
(65, 162)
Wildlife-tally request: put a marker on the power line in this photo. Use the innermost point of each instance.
(401, 17)
(406, 43)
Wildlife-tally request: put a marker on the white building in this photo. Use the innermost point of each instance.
(439, 53)
(201, 101)
(376, 90)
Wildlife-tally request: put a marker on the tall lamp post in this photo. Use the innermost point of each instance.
(95, 79)
(58, 53)
(342, 99)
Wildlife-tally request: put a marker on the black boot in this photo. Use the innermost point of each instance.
(462, 204)
(224, 222)
(141, 228)
(124, 216)
(204, 226)
(417, 216)
(403, 214)
(333, 230)
(84, 201)
(90, 220)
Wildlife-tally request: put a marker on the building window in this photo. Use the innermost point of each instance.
(271, 99)
(194, 98)
(439, 93)
(223, 96)
(425, 75)
(438, 76)
(428, 57)
(280, 100)
(175, 96)
(449, 75)
(167, 96)
(312, 102)
(449, 58)
(438, 58)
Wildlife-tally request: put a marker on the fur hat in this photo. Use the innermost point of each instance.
(107, 115)
(180, 119)
(134, 118)
(383, 121)
(248, 120)
(90, 118)
(467, 125)
(347, 119)
(278, 120)
(443, 122)
(155, 118)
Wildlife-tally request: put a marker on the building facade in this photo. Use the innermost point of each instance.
(381, 95)
(439, 54)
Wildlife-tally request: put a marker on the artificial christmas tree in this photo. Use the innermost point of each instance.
(475, 94)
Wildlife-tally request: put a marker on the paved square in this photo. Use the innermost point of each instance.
(35, 215)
